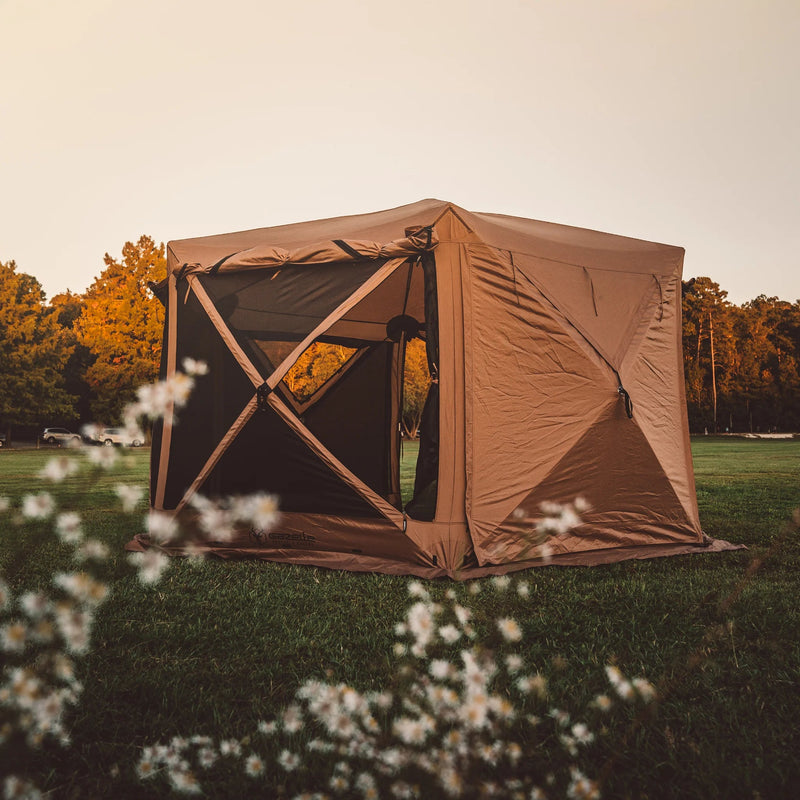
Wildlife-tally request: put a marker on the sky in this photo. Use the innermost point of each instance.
(675, 121)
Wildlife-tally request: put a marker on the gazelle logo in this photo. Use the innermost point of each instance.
(283, 538)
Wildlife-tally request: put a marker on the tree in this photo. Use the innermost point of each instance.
(319, 362)
(122, 326)
(416, 382)
(68, 307)
(741, 363)
(33, 352)
(708, 349)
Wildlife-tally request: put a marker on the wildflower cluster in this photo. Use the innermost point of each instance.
(43, 634)
(467, 717)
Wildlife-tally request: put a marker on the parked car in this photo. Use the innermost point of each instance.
(60, 436)
(119, 436)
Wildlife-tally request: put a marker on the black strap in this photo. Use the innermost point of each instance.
(628, 402)
(351, 251)
(262, 396)
(215, 267)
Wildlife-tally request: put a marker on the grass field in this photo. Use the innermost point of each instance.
(217, 646)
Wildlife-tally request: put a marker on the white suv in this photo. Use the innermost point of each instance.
(110, 436)
(60, 436)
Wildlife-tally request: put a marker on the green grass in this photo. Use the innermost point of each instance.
(216, 647)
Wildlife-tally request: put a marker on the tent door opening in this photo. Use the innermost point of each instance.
(420, 398)
(366, 388)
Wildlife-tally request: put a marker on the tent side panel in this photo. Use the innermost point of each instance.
(654, 375)
(545, 423)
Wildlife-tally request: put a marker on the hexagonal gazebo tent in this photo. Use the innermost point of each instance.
(555, 356)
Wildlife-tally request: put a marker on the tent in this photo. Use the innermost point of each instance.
(555, 356)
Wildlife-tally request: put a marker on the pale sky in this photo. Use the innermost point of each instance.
(673, 121)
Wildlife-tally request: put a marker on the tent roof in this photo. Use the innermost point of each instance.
(545, 240)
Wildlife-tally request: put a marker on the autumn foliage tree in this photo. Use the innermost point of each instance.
(741, 363)
(417, 381)
(319, 362)
(33, 352)
(122, 326)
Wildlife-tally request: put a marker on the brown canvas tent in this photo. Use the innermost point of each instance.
(556, 357)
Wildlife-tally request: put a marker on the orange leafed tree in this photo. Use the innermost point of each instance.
(122, 326)
(318, 363)
(416, 382)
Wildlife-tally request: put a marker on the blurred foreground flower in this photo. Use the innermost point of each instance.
(470, 722)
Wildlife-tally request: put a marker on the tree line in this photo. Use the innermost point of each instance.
(80, 357)
(741, 363)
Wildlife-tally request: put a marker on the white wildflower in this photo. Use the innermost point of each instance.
(150, 565)
(14, 787)
(58, 468)
(500, 582)
(69, 527)
(184, 781)
(475, 711)
(82, 586)
(92, 549)
(13, 637)
(217, 522)
(230, 747)
(451, 782)
(409, 730)
(292, 719)
(582, 734)
(192, 366)
(449, 634)
(161, 527)
(129, 495)
(621, 685)
(420, 623)
(441, 669)
(289, 761)
(38, 506)
(254, 765)
(533, 684)
(510, 629)
(267, 728)
(102, 457)
(581, 788)
(645, 689)
(206, 757)
(581, 505)
(34, 604)
(603, 702)
(514, 663)
(260, 510)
